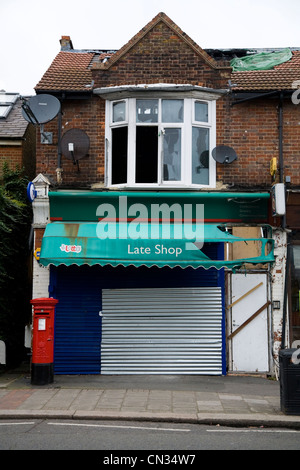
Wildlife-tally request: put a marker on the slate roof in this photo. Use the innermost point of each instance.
(14, 125)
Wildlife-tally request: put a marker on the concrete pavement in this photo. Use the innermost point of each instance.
(240, 400)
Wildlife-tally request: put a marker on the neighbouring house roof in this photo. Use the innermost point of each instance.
(13, 126)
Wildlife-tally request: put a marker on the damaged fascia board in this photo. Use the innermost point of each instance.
(190, 91)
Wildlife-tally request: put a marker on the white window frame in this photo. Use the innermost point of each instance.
(186, 140)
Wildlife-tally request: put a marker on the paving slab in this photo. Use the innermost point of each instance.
(228, 400)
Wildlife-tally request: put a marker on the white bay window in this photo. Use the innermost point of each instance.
(160, 139)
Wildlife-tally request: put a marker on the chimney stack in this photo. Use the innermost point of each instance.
(66, 43)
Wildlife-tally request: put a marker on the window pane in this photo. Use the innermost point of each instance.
(119, 155)
(200, 156)
(146, 154)
(172, 110)
(8, 98)
(201, 111)
(119, 111)
(4, 110)
(172, 155)
(146, 110)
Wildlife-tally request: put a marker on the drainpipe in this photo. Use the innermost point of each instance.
(59, 141)
(59, 154)
(288, 245)
(286, 288)
(280, 126)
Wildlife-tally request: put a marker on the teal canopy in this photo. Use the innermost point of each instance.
(137, 244)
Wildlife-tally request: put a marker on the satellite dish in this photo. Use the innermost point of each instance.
(75, 145)
(40, 109)
(224, 154)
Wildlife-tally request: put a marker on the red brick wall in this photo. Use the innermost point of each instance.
(161, 56)
(11, 155)
(21, 154)
(291, 141)
(87, 115)
(39, 232)
(251, 128)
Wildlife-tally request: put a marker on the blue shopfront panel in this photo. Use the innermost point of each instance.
(77, 348)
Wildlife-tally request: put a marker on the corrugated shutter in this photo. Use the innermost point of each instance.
(162, 331)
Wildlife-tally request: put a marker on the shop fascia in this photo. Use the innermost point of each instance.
(163, 220)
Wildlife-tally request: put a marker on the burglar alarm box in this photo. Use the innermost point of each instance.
(278, 199)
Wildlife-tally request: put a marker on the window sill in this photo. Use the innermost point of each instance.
(160, 187)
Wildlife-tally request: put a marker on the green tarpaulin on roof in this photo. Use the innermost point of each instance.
(260, 61)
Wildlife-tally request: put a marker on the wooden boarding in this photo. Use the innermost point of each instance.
(249, 320)
(245, 295)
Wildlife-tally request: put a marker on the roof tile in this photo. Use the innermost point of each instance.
(69, 71)
(281, 77)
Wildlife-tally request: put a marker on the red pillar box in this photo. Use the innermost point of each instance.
(43, 340)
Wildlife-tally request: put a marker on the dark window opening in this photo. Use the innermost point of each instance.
(119, 155)
(146, 154)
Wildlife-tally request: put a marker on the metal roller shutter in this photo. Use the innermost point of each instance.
(162, 331)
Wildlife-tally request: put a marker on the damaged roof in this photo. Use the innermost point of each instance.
(71, 70)
(281, 77)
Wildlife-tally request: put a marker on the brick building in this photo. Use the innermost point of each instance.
(162, 134)
(17, 136)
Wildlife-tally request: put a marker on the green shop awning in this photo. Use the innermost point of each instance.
(140, 244)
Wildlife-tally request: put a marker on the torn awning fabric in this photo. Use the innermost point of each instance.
(128, 244)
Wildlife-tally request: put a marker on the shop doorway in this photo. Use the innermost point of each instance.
(248, 323)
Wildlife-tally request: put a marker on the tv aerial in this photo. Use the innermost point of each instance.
(75, 144)
(39, 110)
(224, 154)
